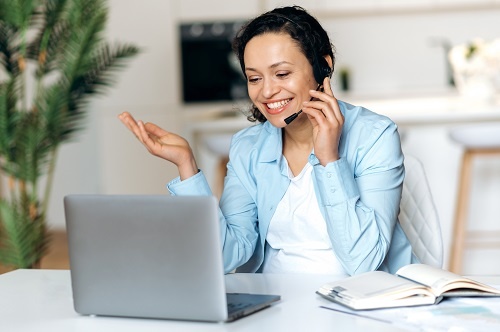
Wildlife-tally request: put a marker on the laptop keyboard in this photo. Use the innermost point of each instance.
(234, 307)
(239, 305)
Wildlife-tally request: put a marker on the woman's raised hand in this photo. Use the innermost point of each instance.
(163, 144)
(327, 120)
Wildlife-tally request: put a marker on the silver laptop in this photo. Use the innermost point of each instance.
(151, 257)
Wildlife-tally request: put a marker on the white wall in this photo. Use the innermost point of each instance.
(396, 53)
(106, 158)
(388, 55)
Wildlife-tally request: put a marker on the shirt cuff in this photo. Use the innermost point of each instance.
(336, 182)
(195, 185)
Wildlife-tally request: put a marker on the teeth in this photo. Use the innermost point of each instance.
(278, 104)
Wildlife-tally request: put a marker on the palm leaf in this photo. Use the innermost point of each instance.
(54, 49)
(24, 241)
(104, 63)
(53, 107)
(52, 33)
(10, 12)
(66, 39)
(9, 49)
(81, 12)
(54, 10)
(8, 118)
(5, 116)
(80, 46)
(18, 13)
(29, 155)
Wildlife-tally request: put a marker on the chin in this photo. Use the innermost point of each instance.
(277, 122)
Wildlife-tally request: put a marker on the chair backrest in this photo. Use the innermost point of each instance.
(418, 215)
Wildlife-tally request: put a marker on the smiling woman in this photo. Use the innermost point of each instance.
(315, 186)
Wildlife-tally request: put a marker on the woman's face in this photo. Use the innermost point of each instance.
(279, 76)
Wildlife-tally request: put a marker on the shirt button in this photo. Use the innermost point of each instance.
(329, 175)
(333, 190)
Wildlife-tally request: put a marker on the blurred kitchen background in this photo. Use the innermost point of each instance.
(393, 54)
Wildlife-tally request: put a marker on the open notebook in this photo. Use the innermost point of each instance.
(151, 256)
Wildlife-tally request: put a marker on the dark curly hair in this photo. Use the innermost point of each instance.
(295, 21)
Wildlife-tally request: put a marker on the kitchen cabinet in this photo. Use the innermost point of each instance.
(340, 8)
(374, 5)
(196, 10)
(452, 3)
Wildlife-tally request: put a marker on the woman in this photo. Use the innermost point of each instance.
(316, 186)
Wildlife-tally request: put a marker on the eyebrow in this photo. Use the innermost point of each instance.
(274, 65)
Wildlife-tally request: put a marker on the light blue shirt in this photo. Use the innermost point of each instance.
(359, 194)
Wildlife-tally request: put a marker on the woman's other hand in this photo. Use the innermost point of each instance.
(163, 144)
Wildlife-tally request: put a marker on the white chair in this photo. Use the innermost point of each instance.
(418, 215)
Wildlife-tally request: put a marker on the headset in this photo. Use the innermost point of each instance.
(321, 68)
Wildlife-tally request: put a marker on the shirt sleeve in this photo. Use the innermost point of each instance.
(239, 228)
(360, 196)
(195, 185)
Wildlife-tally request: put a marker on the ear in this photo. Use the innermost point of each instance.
(330, 62)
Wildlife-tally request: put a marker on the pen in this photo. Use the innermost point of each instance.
(358, 315)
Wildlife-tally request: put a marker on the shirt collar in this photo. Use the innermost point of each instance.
(272, 141)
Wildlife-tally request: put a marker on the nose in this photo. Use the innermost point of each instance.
(270, 88)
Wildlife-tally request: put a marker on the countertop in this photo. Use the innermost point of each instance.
(449, 108)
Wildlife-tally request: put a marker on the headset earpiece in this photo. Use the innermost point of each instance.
(321, 69)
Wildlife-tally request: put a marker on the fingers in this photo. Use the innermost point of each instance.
(325, 102)
(142, 131)
(327, 87)
(144, 137)
(163, 144)
(128, 120)
(154, 129)
(153, 137)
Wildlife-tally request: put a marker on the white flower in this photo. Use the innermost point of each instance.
(476, 67)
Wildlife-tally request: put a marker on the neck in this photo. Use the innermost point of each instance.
(298, 134)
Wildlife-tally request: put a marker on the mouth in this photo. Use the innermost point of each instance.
(277, 106)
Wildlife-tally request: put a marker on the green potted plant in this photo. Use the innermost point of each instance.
(53, 59)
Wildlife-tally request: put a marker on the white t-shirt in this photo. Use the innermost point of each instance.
(297, 239)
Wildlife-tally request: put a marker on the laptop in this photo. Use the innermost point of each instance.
(151, 256)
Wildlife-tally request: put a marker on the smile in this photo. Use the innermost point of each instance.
(278, 104)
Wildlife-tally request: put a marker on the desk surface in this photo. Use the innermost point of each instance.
(41, 300)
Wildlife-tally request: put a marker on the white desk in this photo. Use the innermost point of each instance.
(41, 300)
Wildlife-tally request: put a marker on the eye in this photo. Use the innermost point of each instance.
(283, 74)
(253, 79)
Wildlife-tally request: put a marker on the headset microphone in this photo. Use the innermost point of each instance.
(292, 117)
